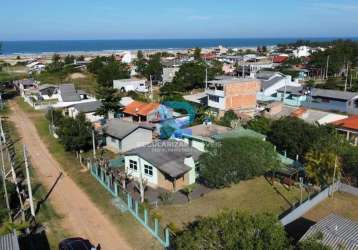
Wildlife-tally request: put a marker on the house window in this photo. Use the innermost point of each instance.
(148, 170)
(133, 165)
(213, 98)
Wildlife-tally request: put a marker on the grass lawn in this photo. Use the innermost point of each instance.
(136, 235)
(255, 196)
(342, 204)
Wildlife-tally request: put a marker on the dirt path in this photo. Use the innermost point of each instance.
(81, 216)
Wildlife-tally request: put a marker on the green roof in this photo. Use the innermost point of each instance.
(239, 132)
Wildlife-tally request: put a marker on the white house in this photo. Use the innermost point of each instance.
(302, 51)
(122, 135)
(169, 164)
(272, 81)
(125, 85)
(88, 108)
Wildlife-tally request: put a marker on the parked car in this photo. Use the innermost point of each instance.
(75, 244)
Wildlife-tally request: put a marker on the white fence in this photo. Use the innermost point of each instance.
(348, 189)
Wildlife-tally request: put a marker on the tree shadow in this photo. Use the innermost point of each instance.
(297, 228)
(278, 192)
(43, 200)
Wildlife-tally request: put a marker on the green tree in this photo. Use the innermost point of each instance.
(154, 68)
(234, 230)
(320, 166)
(260, 124)
(197, 54)
(55, 116)
(296, 136)
(109, 99)
(97, 64)
(228, 117)
(236, 159)
(140, 63)
(313, 243)
(69, 59)
(75, 134)
(112, 71)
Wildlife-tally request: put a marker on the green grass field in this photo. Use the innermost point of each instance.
(254, 196)
(135, 233)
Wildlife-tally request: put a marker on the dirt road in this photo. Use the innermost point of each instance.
(81, 216)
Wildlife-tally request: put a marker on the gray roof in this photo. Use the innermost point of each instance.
(120, 129)
(270, 82)
(291, 90)
(337, 231)
(9, 242)
(222, 80)
(88, 107)
(167, 156)
(45, 86)
(265, 75)
(69, 93)
(334, 94)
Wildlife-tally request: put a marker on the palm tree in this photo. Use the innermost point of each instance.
(321, 166)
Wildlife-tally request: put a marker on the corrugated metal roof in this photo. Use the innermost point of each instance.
(334, 94)
(337, 232)
(88, 107)
(119, 128)
(9, 242)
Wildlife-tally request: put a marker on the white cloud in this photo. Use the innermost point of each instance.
(337, 7)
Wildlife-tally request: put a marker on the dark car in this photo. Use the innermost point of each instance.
(75, 244)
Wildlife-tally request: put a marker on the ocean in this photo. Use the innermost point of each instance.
(86, 46)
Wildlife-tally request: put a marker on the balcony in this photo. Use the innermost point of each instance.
(217, 92)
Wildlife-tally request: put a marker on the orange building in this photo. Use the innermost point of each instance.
(238, 94)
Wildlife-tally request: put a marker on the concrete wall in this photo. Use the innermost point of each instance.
(348, 189)
(113, 144)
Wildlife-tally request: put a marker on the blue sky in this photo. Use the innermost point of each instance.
(123, 19)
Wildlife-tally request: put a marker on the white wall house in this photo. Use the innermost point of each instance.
(302, 51)
(271, 82)
(125, 85)
(89, 109)
(169, 165)
(122, 136)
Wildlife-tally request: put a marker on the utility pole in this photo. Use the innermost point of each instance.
(206, 77)
(327, 67)
(334, 175)
(346, 82)
(93, 144)
(29, 189)
(151, 87)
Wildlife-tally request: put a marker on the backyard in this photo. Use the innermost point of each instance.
(342, 204)
(255, 196)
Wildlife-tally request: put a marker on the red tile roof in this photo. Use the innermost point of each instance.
(298, 112)
(279, 59)
(140, 108)
(348, 123)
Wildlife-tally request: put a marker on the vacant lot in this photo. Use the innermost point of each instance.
(254, 196)
(343, 204)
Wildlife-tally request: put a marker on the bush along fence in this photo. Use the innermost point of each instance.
(126, 203)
